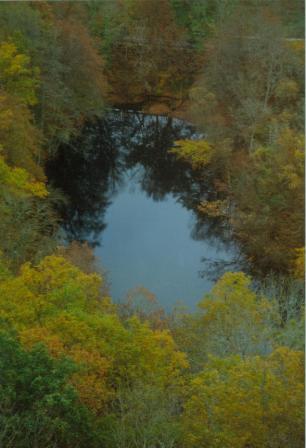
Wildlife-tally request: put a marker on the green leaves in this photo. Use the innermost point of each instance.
(38, 406)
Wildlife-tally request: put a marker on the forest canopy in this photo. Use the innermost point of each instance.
(78, 369)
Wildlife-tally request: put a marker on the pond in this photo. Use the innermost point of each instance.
(135, 203)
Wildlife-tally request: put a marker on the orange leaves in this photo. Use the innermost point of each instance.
(214, 208)
(85, 67)
(93, 391)
(32, 336)
(59, 305)
(92, 380)
(51, 303)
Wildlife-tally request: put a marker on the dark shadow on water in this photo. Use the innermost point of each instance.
(132, 149)
(87, 171)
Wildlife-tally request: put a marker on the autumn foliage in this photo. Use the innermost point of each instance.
(78, 370)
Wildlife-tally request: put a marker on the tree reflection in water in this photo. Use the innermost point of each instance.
(91, 169)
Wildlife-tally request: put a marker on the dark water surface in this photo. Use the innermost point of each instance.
(136, 204)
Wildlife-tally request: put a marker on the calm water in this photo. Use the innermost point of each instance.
(135, 203)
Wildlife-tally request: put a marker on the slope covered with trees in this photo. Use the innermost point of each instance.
(77, 369)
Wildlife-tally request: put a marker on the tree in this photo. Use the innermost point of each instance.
(60, 305)
(38, 406)
(234, 320)
(239, 402)
(231, 320)
(250, 109)
(27, 220)
(240, 100)
(144, 415)
(69, 69)
(150, 57)
(269, 192)
(16, 75)
(143, 303)
(20, 140)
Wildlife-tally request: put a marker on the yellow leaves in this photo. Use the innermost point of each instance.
(172, 360)
(291, 141)
(145, 353)
(51, 303)
(32, 336)
(280, 163)
(268, 218)
(291, 158)
(6, 114)
(298, 47)
(214, 208)
(20, 138)
(288, 363)
(19, 182)
(201, 95)
(260, 154)
(55, 273)
(37, 189)
(287, 89)
(198, 153)
(234, 402)
(49, 292)
(16, 75)
(293, 179)
(61, 306)
(299, 263)
(10, 61)
(71, 329)
(234, 319)
(17, 304)
(233, 286)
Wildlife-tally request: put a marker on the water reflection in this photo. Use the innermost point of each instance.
(127, 151)
(88, 172)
